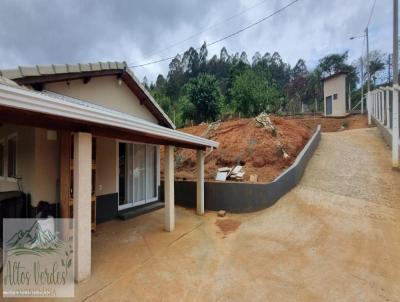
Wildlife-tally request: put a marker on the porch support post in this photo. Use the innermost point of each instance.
(169, 193)
(200, 182)
(395, 129)
(82, 204)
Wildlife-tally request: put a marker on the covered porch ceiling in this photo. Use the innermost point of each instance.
(53, 111)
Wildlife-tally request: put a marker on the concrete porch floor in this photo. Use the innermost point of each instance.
(335, 237)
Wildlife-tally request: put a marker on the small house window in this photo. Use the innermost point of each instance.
(335, 96)
(2, 148)
(12, 156)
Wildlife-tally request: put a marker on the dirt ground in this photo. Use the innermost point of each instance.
(335, 237)
(336, 124)
(244, 142)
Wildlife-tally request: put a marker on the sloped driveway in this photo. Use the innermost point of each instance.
(335, 237)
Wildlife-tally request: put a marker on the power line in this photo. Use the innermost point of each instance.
(225, 37)
(205, 29)
(255, 23)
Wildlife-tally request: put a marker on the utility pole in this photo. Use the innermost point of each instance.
(368, 72)
(362, 85)
(395, 43)
(395, 107)
(369, 105)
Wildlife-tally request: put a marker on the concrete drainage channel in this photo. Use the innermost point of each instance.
(246, 197)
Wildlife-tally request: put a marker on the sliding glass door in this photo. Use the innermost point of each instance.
(138, 174)
(152, 173)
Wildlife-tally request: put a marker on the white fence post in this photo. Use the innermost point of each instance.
(379, 106)
(382, 107)
(369, 107)
(395, 129)
(387, 108)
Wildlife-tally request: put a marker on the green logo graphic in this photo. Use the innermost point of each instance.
(38, 258)
(34, 241)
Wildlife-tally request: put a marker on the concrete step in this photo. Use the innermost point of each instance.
(140, 210)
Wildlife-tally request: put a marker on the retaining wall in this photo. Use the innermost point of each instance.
(246, 197)
(386, 134)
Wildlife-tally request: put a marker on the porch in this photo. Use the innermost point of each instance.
(56, 141)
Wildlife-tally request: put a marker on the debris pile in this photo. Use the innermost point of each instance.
(235, 173)
(210, 129)
(264, 120)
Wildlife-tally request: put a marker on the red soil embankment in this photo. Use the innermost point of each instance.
(245, 142)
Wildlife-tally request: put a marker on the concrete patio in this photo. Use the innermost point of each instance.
(333, 238)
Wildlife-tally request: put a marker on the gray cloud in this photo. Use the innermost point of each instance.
(54, 31)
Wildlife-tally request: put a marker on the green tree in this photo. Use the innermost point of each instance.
(203, 92)
(252, 94)
(376, 65)
(175, 79)
(335, 63)
(203, 53)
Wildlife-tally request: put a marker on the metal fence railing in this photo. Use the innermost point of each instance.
(383, 109)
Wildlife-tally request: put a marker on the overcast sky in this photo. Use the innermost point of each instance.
(54, 31)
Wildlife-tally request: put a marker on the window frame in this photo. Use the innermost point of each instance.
(12, 136)
(157, 171)
(3, 174)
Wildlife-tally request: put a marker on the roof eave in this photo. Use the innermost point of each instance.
(38, 102)
(58, 73)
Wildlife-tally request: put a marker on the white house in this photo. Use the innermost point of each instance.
(87, 137)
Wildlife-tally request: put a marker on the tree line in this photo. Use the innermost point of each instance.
(202, 89)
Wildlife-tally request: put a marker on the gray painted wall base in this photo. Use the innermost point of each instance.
(247, 197)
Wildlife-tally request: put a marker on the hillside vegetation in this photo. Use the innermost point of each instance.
(199, 88)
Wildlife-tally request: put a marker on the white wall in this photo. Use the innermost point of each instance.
(104, 91)
(336, 85)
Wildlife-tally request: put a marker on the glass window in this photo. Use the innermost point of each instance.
(12, 157)
(2, 158)
(335, 96)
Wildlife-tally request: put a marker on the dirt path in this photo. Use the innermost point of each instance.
(335, 237)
